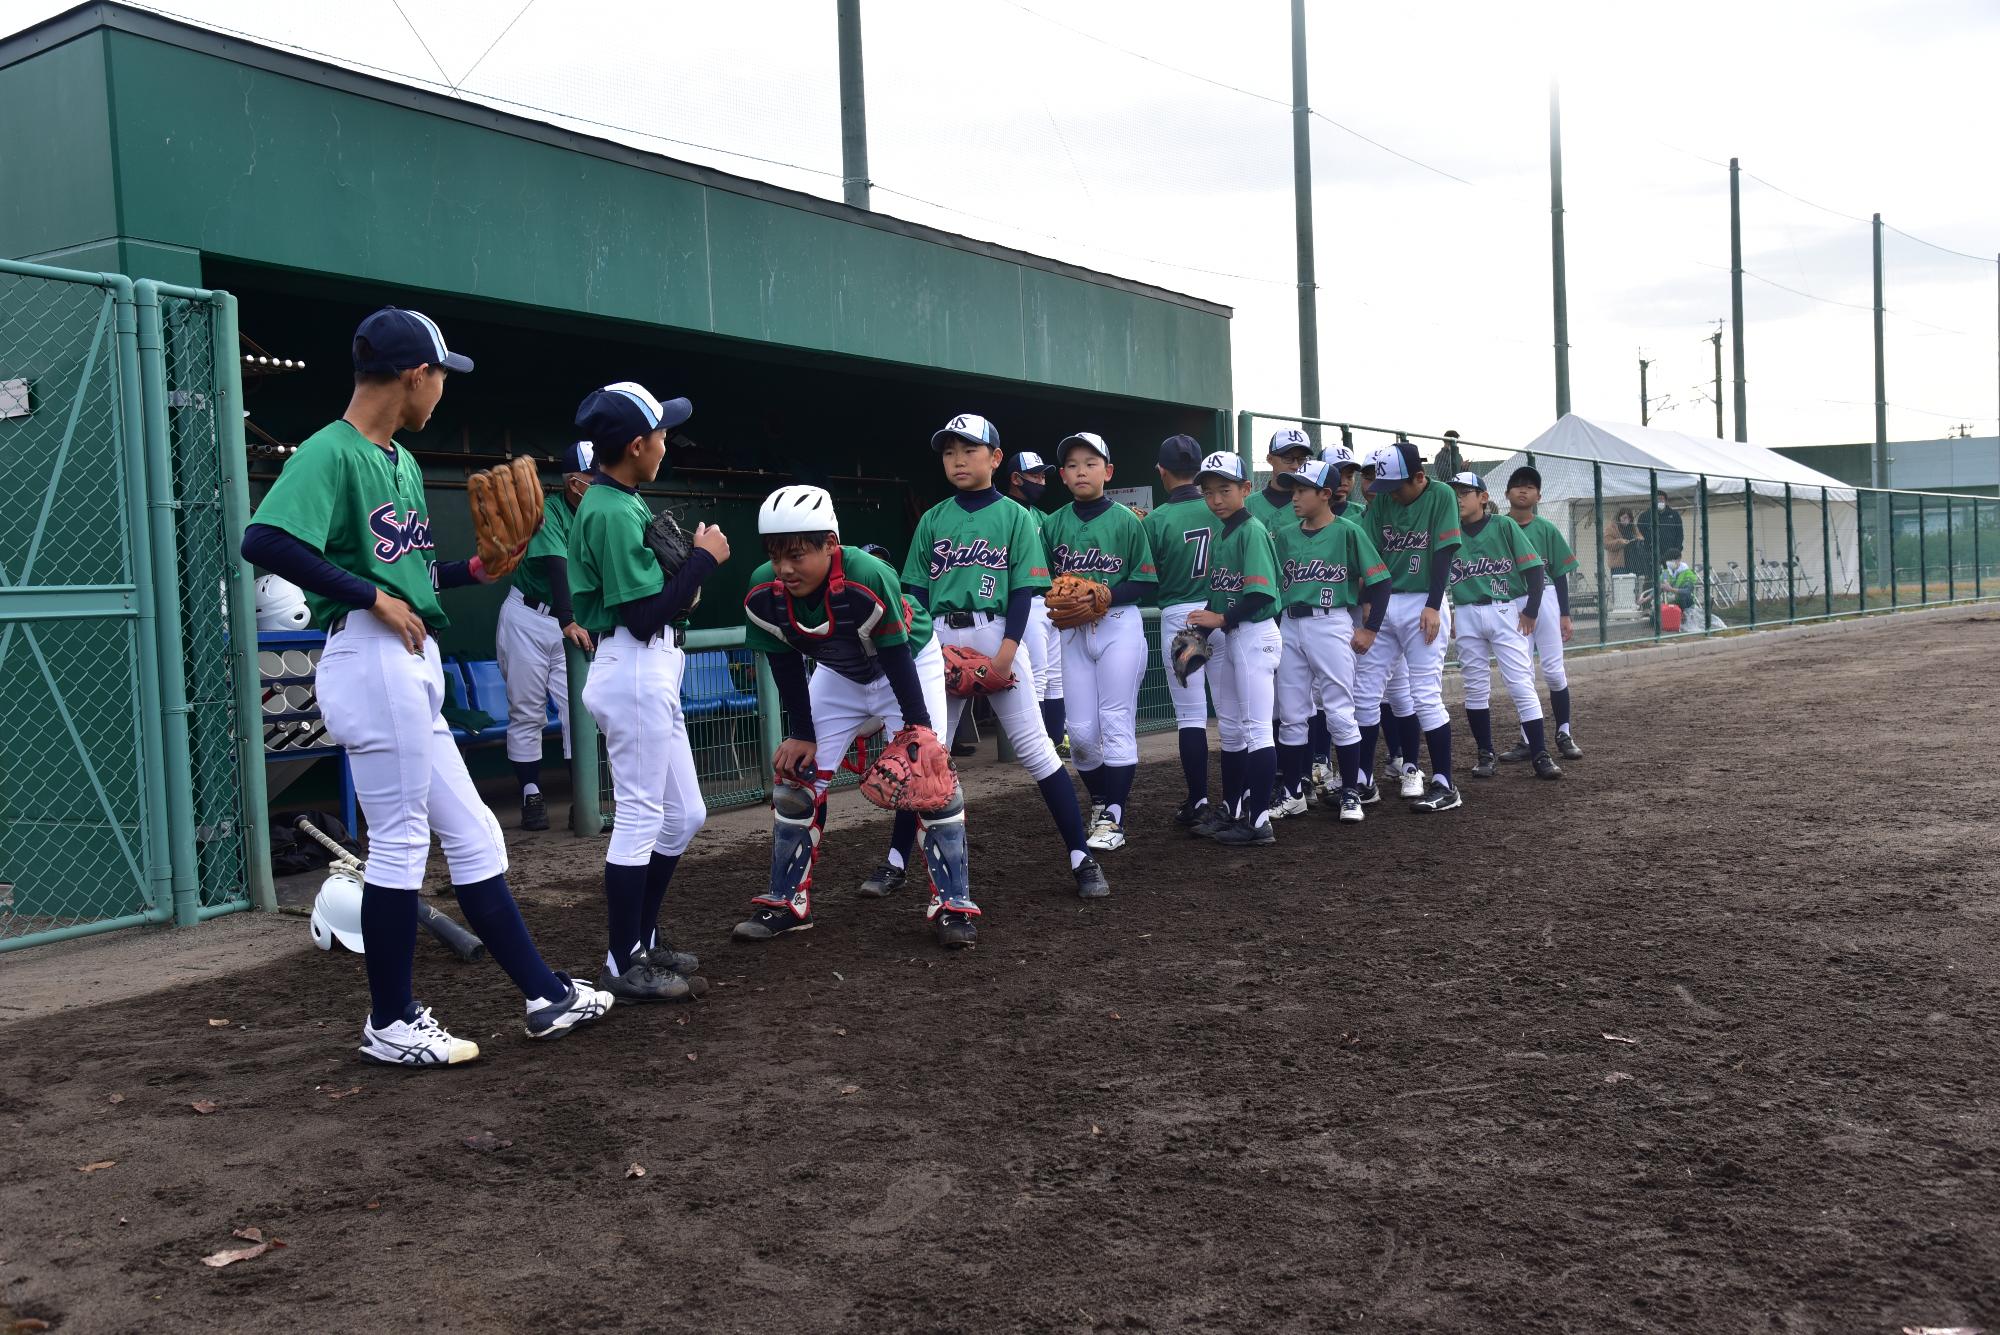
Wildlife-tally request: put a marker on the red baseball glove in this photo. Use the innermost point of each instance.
(914, 773)
(969, 672)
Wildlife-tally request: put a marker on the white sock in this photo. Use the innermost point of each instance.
(1562, 729)
(1115, 813)
(896, 859)
(1075, 859)
(611, 964)
(530, 790)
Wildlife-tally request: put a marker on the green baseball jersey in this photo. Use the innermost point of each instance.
(1488, 566)
(609, 561)
(1243, 562)
(972, 560)
(1181, 535)
(531, 577)
(1327, 566)
(1549, 544)
(1272, 514)
(362, 508)
(842, 630)
(1110, 548)
(1410, 536)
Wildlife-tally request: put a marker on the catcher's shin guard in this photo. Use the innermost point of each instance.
(943, 834)
(795, 832)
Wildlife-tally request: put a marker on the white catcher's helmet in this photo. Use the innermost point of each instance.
(281, 605)
(336, 914)
(797, 510)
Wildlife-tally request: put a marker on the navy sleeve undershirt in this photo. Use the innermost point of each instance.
(1248, 603)
(451, 575)
(1378, 604)
(1440, 580)
(273, 549)
(1562, 594)
(555, 569)
(788, 670)
(1126, 592)
(900, 667)
(1018, 604)
(1532, 608)
(647, 617)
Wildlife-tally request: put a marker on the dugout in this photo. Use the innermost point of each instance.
(819, 343)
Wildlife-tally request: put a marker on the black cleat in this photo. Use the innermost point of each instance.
(956, 931)
(1485, 766)
(534, 812)
(1518, 751)
(1090, 882)
(1567, 745)
(1213, 821)
(1546, 767)
(885, 880)
(767, 923)
(1441, 797)
(1190, 814)
(1242, 834)
(662, 955)
(645, 981)
(1367, 794)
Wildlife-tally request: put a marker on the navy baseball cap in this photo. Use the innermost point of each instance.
(1313, 473)
(1090, 440)
(1222, 464)
(1025, 461)
(1467, 481)
(1525, 474)
(400, 339)
(579, 457)
(1287, 440)
(969, 427)
(1180, 455)
(612, 416)
(1394, 465)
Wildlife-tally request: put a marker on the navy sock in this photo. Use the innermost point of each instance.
(1232, 780)
(494, 918)
(1292, 761)
(1482, 727)
(1410, 739)
(1055, 719)
(624, 903)
(527, 772)
(902, 835)
(1439, 741)
(1364, 751)
(1319, 738)
(1262, 776)
(1348, 755)
(659, 875)
(1538, 740)
(1194, 762)
(1060, 794)
(389, 936)
(1559, 702)
(1093, 782)
(1118, 789)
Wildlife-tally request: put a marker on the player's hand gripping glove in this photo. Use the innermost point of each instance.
(506, 512)
(913, 773)
(1189, 652)
(968, 672)
(1075, 601)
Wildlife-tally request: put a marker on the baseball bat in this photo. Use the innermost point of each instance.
(451, 935)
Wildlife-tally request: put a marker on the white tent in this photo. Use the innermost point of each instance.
(1582, 459)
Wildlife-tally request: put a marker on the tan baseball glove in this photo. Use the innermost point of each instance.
(506, 512)
(1075, 601)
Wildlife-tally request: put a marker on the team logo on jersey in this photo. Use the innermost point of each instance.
(1481, 567)
(1314, 571)
(1227, 581)
(397, 538)
(948, 555)
(1396, 540)
(1085, 561)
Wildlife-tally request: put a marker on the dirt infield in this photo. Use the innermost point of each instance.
(1705, 1038)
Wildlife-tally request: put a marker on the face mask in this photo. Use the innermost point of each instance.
(1032, 489)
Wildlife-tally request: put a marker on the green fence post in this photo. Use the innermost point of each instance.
(585, 817)
(1976, 580)
(1659, 557)
(159, 475)
(1245, 423)
(1603, 578)
(1750, 548)
(1708, 617)
(770, 726)
(1923, 557)
(1861, 551)
(1950, 554)
(250, 775)
(1826, 546)
(1791, 561)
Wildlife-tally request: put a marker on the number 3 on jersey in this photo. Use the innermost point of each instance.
(1199, 537)
(986, 586)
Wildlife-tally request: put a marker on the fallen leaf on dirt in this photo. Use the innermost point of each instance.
(690, 1056)
(837, 974)
(343, 1093)
(1943, 1330)
(1617, 1038)
(99, 1166)
(485, 1142)
(218, 1024)
(372, 1205)
(841, 1033)
(203, 1106)
(845, 1090)
(249, 1234)
(232, 1255)
(121, 1221)
(26, 1324)
(1116, 1016)
(114, 1098)
(1096, 1130)
(1616, 1078)
(636, 1170)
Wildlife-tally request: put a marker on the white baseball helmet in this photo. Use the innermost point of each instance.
(336, 914)
(797, 510)
(281, 605)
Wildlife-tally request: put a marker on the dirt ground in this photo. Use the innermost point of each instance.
(1701, 1039)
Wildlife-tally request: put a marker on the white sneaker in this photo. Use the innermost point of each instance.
(419, 1042)
(1105, 834)
(1413, 781)
(553, 1019)
(1293, 805)
(1324, 784)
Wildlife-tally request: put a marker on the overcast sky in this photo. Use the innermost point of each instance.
(1096, 131)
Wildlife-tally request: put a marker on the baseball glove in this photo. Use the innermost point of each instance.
(1189, 652)
(913, 774)
(671, 547)
(506, 512)
(969, 672)
(1075, 601)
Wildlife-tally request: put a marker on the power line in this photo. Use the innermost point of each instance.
(1977, 259)
(1832, 301)
(421, 42)
(1393, 152)
(466, 77)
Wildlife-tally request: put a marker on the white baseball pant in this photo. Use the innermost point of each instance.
(529, 647)
(1015, 706)
(1243, 678)
(1191, 700)
(843, 710)
(1488, 631)
(1103, 663)
(1046, 641)
(1401, 639)
(1315, 673)
(381, 703)
(1548, 639)
(634, 693)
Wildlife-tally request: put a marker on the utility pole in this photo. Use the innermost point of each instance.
(1302, 207)
(1736, 297)
(1880, 471)
(1556, 247)
(1645, 405)
(1716, 338)
(853, 106)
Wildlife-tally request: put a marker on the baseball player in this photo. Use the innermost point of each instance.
(1243, 669)
(878, 667)
(1413, 521)
(1524, 494)
(1396, 688)
(1181, 534)
(1027, 475)
(1271, 505)
(528, 638)
(1326, 567)
(346, 521)
(634, 611)
(1496, 597)
(976, 563)
(1097, 539)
